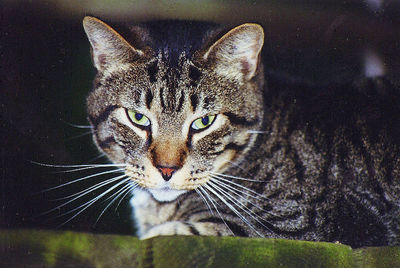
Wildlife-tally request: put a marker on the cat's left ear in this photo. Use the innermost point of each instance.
(236, 54)
(108, 47)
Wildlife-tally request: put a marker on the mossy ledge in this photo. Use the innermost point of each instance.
(24, 248)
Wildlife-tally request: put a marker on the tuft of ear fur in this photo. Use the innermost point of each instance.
(236, 54)
(108, 47)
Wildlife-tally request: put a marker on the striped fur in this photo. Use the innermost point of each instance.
(288, 160)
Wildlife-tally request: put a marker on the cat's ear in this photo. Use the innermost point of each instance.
(236, 54)
(108, 47)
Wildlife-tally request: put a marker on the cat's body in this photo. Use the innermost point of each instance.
(217, 148)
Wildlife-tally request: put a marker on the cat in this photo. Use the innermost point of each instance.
(212, 144)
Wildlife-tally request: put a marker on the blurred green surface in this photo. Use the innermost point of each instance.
(26, 248)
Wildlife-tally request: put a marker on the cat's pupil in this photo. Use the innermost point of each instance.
(138, 116)
(205, 120)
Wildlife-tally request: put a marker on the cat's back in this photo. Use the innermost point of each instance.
(336, 149)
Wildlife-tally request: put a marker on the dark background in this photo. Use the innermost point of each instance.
(46, 73)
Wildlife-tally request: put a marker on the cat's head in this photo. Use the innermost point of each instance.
(174, 110)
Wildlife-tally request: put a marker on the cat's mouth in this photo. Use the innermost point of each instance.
(161, 189)
(165, 193)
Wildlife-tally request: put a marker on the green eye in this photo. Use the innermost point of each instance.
(203, 122)
(138, 118)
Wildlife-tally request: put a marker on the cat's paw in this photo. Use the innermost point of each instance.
(168, 228)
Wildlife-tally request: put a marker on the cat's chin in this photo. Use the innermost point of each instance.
(166, 194)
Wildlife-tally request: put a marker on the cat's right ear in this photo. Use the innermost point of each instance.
(108, 47)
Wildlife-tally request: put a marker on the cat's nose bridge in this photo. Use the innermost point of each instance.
(168, 155)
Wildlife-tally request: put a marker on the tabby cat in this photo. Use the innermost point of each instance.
(211, 145)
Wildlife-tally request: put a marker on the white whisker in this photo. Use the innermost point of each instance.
(234, 177)
(78, 136)
(87, 166)
(97, 157)
(81, 179)
(116, 194)
(133, 185)
(89, 203)
(77, 126)
(231, 207)
(76, 208)
(79, 169)
(76, 168)
(240, 186)
(204, 200)
(239, 194)
(233, 189)
(256, 132)
(85, 192)
(111, 196)
(236, 201)
(216, 209)
(234, 164)
(244, 208)
(88, 190)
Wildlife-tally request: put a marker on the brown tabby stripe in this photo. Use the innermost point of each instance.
(300, 168)
(161, 98)
(217, 152)
(106, 142)
(236, 229)
(152, 70)
(149, 98)
(235, 146)
(238, 120)
(103, 115)
(196, 210)
(194, 100)
(193, 229)
(194, 75)
(207, 103)
(230, 146)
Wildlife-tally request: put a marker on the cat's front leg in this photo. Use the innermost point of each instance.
(186, 228)
(168, 228)
(155, 219)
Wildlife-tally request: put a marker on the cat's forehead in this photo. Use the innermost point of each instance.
(164, 89)
(162, 68)
(174, 87)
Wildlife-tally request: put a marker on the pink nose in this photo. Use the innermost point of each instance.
(166, 172)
